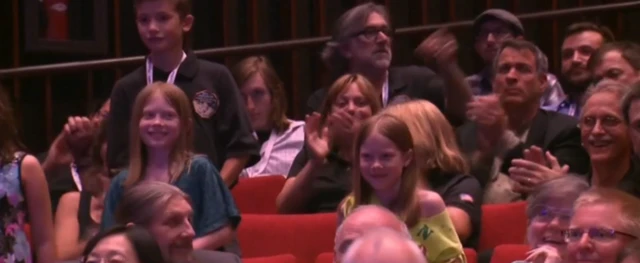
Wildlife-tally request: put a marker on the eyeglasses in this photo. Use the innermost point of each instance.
(606, 122)
(547, 214)
(598, 234)
(372, 33)
(496, 33)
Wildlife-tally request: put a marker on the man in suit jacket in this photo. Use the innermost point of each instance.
(507, 123)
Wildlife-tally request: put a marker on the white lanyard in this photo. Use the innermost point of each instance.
(385, 93)
(76, 176)
(172, 75)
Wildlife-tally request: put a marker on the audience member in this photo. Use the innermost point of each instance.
(631, 113)
(67, 157)
(265, 100)
(618, 61)
(131, 244)
(581, 40)
(491, 29)
(385, 172)
(78, 216)
(605, 220)
(361, 44)
(161, 150)
(505, 124)
(605, 136)
(166, 212)
(221, 127)
(631, 253)
(442, 166)
(549, 210)
(361, 221)
(384, 246)
(320, 176)
(24, 196)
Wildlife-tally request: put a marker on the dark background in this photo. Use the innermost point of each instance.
(222, 23)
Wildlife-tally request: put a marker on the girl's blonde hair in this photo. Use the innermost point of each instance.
(181, 153)
(406, 205)
(434, 141)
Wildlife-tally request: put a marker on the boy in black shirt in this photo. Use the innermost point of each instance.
(221, 129)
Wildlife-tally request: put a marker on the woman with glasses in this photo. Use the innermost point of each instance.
(605, 221)
(549, 211)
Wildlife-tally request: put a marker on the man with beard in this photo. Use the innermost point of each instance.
(361, 43)
(580, 42)
(491, 29)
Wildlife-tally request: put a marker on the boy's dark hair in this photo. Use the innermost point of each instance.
(182, 7)
(144, 244)
(575, 28)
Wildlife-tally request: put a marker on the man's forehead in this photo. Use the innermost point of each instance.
(513, 54)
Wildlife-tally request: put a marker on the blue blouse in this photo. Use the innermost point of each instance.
(212, 202)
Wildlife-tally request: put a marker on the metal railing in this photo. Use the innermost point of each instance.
(288, 44)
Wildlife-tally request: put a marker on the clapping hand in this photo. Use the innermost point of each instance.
(535, 168)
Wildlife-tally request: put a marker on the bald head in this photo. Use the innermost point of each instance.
(362, 220)
(383, 246)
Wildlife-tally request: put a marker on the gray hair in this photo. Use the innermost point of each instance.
(379, 244)
(379, 212)
(345, 27)
(143, 202)
(568, 188)
(606, 85)
(542, 64)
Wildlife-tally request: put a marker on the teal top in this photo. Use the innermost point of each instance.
(212, 203)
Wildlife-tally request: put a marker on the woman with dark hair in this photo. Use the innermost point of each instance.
(79, 213)
(131, 244)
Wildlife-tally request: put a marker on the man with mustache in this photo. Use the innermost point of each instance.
(491, 29)
(580, 42)
(361, 43)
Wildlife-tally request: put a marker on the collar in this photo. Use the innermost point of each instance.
(188, 68)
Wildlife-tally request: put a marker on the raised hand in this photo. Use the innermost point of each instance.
(441, 47)
(535, 168)
(544, 254)
(490, 118)
(317, 137)
(78, 134)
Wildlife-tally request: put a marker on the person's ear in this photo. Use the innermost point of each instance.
(344, 50)
(187, 23)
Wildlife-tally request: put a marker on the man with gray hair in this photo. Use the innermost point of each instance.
(505, 124)
(362, 43)
(361, 221)
(384, 246)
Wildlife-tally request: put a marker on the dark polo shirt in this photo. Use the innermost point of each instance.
(221, 127)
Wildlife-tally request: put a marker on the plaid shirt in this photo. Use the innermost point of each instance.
(551, 100)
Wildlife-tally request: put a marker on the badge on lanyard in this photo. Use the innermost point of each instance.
(172, 75)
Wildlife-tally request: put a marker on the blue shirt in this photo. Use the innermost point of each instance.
(212, 202)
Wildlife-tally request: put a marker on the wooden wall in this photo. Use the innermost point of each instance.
(237, 22)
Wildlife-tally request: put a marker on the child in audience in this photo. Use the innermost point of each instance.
(24, 198)
(221, 126)
(131, 244)
(77, 218)
(385, 173)
(265, 100)
(161, 150)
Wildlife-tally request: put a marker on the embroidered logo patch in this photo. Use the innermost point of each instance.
(205, 103)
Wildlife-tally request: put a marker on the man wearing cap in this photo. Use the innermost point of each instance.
(491, 28)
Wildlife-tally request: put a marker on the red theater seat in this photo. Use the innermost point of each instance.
(509, 253)
(258, 195)
(503, 224)
(288, 258)
(472, 257)
(304, 236)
